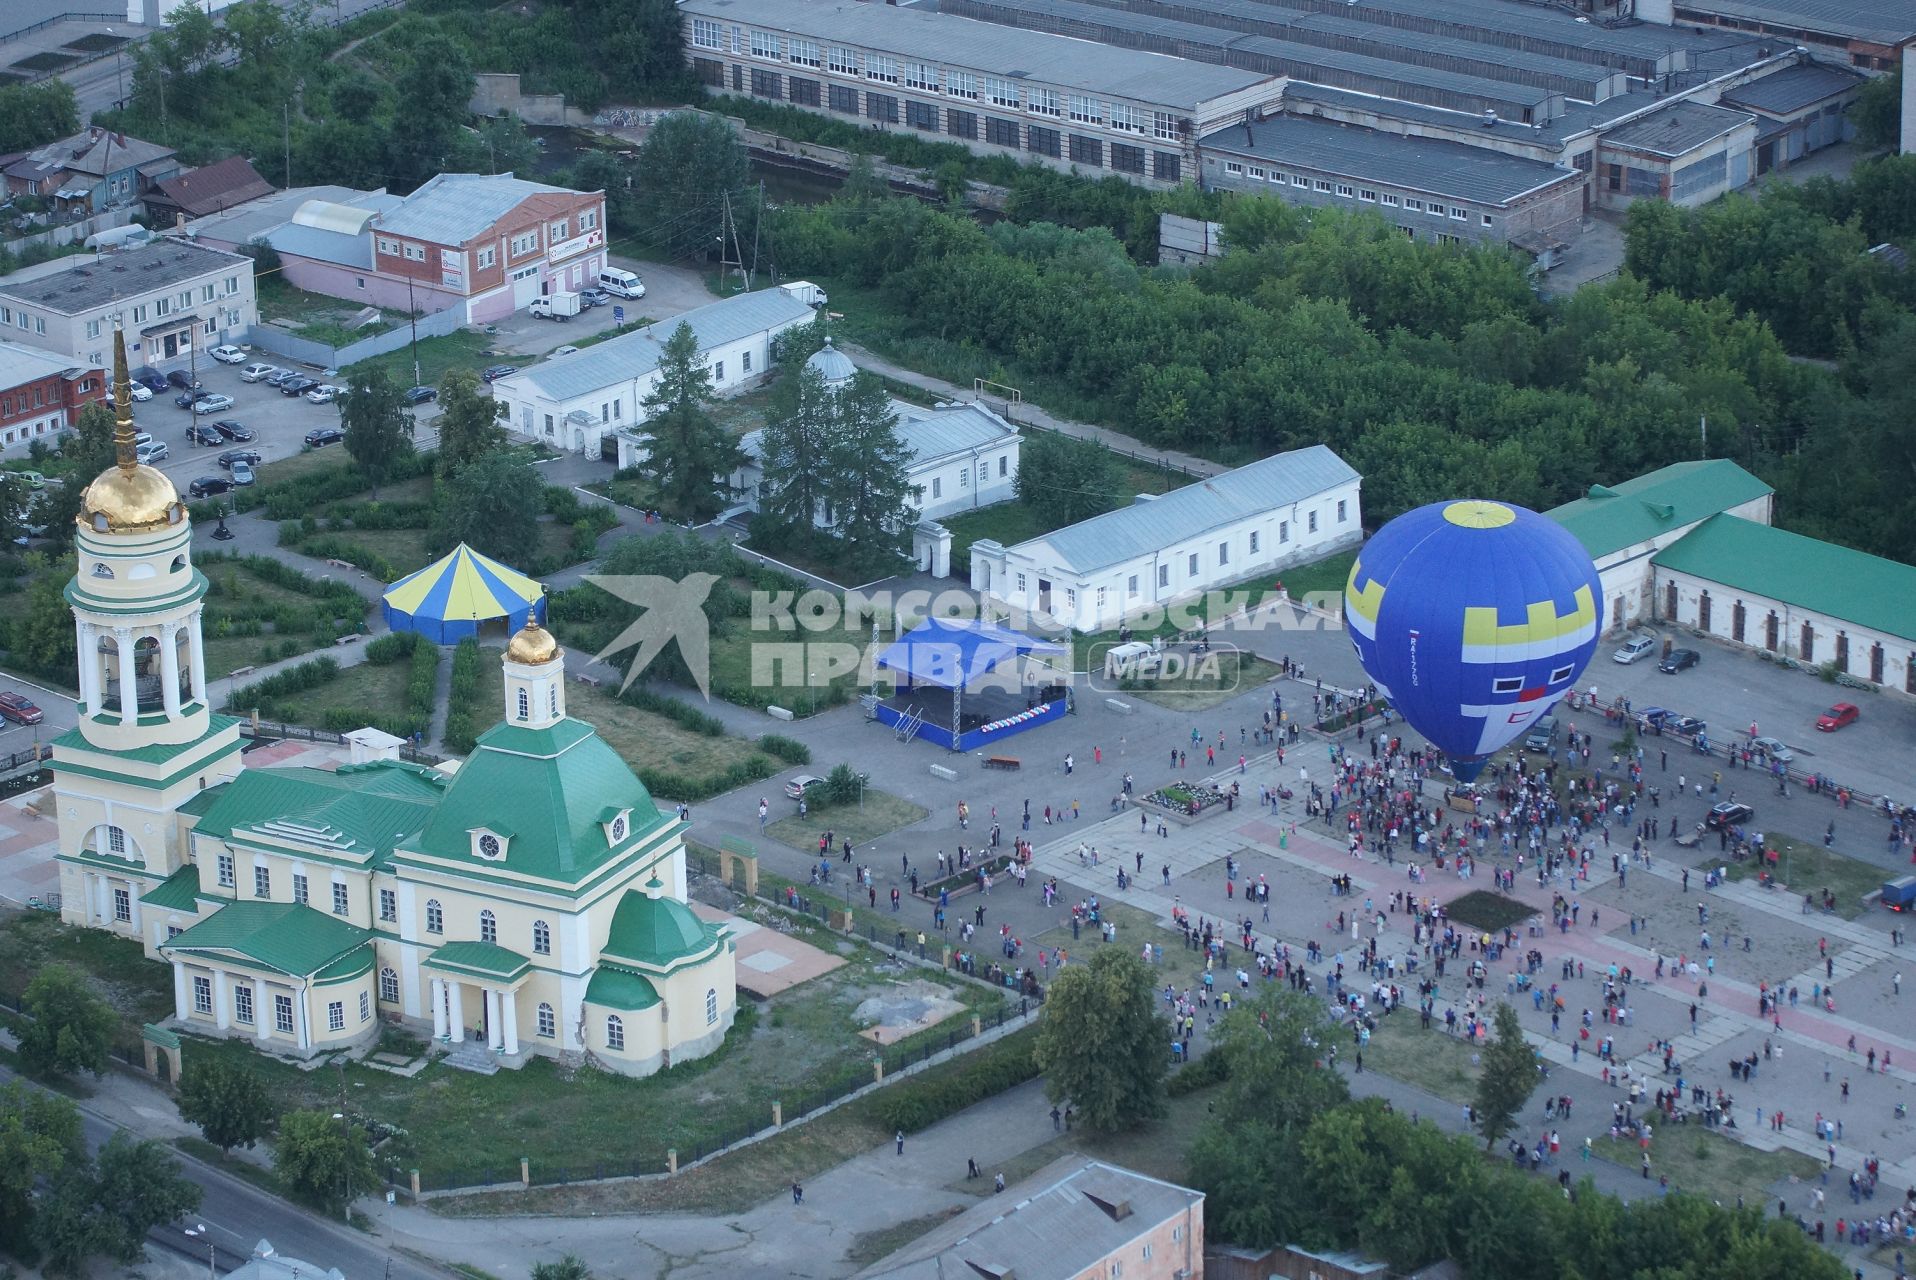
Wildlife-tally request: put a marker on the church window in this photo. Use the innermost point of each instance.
(711, 1005)
(548, 1025)
(525, 706)
(618, 828)
(101, 571)
(226, 870)
(365, 1006)
(116, 839)
(489, 846)
(488, 927)
(614, 1032)
(299, 889)
(179, 564)
(435, 916)
(202, 995)
(123, 906)
(283, 1014)
(336, 1015)
(388, 905)
(541, 938)
(341, 899)
(389, 986)
(262, 882)
(243, 1005)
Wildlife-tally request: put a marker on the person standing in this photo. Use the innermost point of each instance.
(900, 1140)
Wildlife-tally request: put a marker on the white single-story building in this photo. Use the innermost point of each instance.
(963, 457)
(1287, 509)
(591, 401)
(1624, 525)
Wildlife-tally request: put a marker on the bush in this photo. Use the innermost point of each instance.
(332, 547)
(421, 684)
(678, 786)
(307, 675)
(391, 648)
(790, 750)
(1199, 1073)
(842, 785)
(683, 714)
(462, 699)
(916, 1104)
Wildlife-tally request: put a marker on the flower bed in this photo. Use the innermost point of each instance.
(1188, 798)
(1345, 719)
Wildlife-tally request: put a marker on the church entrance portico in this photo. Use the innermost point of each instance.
(474, 988)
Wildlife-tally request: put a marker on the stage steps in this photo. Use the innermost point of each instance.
(908, 727)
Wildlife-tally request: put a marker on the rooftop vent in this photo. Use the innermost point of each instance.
(1490, 119)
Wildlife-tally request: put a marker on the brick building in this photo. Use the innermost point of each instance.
(41, 395)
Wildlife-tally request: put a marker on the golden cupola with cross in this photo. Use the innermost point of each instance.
(147, 739)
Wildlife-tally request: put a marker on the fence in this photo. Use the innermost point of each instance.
(321, 355)
(268, 731)
(11, 36)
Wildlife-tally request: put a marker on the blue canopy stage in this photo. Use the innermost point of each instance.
(943, 658)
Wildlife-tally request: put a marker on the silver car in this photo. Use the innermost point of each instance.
(1774, 749)
(1635, 649)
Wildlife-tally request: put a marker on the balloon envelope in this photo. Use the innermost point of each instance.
(1473, 618)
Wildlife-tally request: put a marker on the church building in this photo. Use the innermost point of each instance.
(529, 900)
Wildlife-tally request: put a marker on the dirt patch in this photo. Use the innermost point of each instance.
(889, 1013)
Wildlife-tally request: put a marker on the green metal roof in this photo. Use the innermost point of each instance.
(158, 753)
(656, 932)
(550, 786)
(347, 967)
(358, 811)
(1612, 517)
(613, 988)
(484, 959)
(1853, 586)
(178, 892)
(283, 936)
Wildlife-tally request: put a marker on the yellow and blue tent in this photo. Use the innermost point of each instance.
(448, 600)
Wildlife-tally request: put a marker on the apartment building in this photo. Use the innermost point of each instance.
(41, 395)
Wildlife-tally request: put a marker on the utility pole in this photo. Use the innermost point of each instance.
(286, 135)
(729, 228)
(412, 318)
(751, 277)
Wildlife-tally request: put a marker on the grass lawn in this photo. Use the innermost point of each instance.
(1157, 1148)
(140, 989)
(881, 814)
(316, 316)
(1211, 678)
(1489, 912)
(403, 549)
(646, 739)
(237, 593)
(377, 691)
(1807, 867)
(1432, 1060)
(790, 667)
(1709, 1164)
(870, 1246)
(461, 349)
(1326, 575)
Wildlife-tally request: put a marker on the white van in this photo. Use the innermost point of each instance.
(1130, 661)
(621, 284)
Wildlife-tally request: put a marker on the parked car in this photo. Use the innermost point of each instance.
(796, 787)
(233, 457)
(1836, 717)
(421, 395)
(204, 434)
(280, 378)
(238, 431)
(297, 386)
(140, 392)
(150, 453)
(152, 379)
(324, 393)
(594, 297)
(1688, 726)
(494, 372)
(183, 380)
(226, 353)
(1635, 649)
(142, 437)
(17, 708)
(556, 306)
(207, 486)
(1679, 660)
(323, 436)
(566, 350)
(1541, 734)
(257, 370)
(1774, 749)
(1730, 813)
(187, 399)
(243, 473)
(214, 404)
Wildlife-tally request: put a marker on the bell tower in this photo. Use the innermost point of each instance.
(535, 678)
(147, 740)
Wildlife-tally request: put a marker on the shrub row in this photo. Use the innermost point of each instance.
(380, 515)
(392, 647)
(291, 499)
(790, 750)
(462, 700)
(329, 546)
(307, 675)
(1200, 1073)
(683, 714)
(677, 786)
(916, 1104)
(421, 684)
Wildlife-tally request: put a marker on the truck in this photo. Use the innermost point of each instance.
(1900, 895)
(806, 292)
(556, 306)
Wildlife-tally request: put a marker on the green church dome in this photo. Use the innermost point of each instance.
(656, 931)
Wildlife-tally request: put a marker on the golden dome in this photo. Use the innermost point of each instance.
(132, 499)
(533, 646)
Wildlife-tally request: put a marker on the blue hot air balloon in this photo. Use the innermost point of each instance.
(1473, 618)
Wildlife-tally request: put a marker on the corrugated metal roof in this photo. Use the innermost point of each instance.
(1678, 129)
(243, 225)
(20, 364)
(1534, 21)
(296, 241)
(453, 208)
(989, 48)
(1793, 88)
(1879, 21)
(284, 936)
(1838, 582)
(1612, 517)
(1129, 532)
(1417, 164)
(630, 356)
(929, 434)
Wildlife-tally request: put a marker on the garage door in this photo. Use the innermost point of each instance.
(525, 287)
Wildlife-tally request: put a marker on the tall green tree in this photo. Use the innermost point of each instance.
(90, 446)
(869, 494)
(470, 422)
(138, 1186)
(378, 424)
(430, 109)
(1066, 478)
(1508, 1076)
(40, 631)
(31, 114)
(1877, 112)
(228, 1102)
(689, 165)
(1102, 1046)
(39, 1137)
(690, 458)
(492, 505)
(325, 1162)
(795, 449)
(68, 1027)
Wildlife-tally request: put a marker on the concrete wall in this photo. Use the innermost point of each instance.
(278, 341)
(497, 93)
(1827, 634)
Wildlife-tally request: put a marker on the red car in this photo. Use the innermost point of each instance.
(1837, 716)
(16, 708)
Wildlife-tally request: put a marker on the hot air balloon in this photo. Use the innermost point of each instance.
(1473, 618)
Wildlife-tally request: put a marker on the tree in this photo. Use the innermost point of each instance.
(227, 1102)
(1066, 478)
(505, 144)
(68, 1027)
(690, 163)
(492, 506)
(40, 632)
(690, 459)
(90, 446)
(1508, 1076)
(469, 422)
(566, 1268)
(430, 106)
(323, 1160)
(31, 114)
(138, 1186)
(867, 491)
(39, 1136)
(378, 425)
(1877, 112)
(793, 451)
(1102, 1045)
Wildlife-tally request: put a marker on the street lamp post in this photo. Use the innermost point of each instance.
(346, 1167)
(200, 1231)
(119, 72)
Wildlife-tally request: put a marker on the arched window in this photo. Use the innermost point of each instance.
(179, 564)
(101, 571)
(435, 916)
(389, 986)
(115, 840)
(711, 1006)
(488, 927)
(614, 1032)
(541, 938)
(548, 1025)
(525, 706)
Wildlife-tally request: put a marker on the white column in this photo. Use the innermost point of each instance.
(170, 671)
(457, 1015)
(495, 1030)
(197, 656)
(180, 1005)
(89, 643)
(129, 698)
(438, 1009)
(133, 906)
(262, 1009)
(222, 1001)
(102, 901)
(509, 1022)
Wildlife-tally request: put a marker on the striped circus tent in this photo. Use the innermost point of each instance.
(450, 599)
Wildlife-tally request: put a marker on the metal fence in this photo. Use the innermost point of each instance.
(269, 731)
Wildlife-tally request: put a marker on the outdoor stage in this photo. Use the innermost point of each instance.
(966, 685)
(982, 718)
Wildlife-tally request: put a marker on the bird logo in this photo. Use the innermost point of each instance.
(673, 610)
